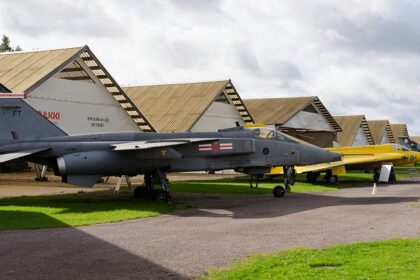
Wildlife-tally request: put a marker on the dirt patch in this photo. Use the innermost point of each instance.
(24, 184)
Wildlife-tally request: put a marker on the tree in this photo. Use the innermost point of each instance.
(5, 45)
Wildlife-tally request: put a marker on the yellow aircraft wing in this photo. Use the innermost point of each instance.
(339, 166)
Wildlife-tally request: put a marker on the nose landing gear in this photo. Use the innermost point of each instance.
(289, 173)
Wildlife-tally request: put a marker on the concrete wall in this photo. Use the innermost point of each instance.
(218, 116)
(385, 139)
(308, 120)
(360, 139)
(79, 107)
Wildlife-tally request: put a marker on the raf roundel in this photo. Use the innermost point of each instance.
(266, 151)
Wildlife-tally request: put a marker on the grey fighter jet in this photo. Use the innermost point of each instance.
(83, 159)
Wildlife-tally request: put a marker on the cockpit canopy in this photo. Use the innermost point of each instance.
(398, 147)
(272, 134)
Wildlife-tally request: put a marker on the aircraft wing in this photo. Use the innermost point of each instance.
(308, 168)
(373, 158)
(150, 144)
(11, 156)
(347, 160)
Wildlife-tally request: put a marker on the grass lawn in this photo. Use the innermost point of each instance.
(241, 185)
(74, 210)
(393, 259)
(87, 209)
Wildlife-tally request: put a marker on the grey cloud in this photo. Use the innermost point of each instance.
(183, 53)
(379, 34)
(204, 6)
(37, 17)
(246, 59)
(285, 70)
(359, 57)
(371, 31)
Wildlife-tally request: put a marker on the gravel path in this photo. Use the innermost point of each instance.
(220, 230)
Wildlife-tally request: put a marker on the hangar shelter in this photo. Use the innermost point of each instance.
(399, 130)
(381, 132)
(72, 89)
(415, 138)
(203, 106)
(355, 131)
(302, 117)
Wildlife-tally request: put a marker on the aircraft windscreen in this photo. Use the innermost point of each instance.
(398, 147)
(272, 134)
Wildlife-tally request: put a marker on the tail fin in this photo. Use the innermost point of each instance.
(18, 120)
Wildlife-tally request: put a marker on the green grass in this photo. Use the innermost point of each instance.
(393, 259)
(241, 185)
(87, 209)
(74, 210)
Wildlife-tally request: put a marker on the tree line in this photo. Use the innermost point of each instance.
(6, 47)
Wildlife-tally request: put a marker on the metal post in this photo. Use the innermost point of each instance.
(118, 185)
(130, 185)
(41, 171)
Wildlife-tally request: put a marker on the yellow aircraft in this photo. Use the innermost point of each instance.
(357, 158)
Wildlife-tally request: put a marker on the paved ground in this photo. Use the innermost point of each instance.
(222, 229)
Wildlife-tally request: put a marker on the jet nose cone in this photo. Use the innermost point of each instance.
(336, 156)
(312, 155)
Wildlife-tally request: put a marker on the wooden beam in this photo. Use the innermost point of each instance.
(66, 70)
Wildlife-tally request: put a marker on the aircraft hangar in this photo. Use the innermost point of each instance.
(202, 106)
(415, 138)
(355, 131)
(303, 117)
(72, 89)
(399, 130)
(381, 131)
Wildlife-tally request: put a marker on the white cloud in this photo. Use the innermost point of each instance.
(359, 57)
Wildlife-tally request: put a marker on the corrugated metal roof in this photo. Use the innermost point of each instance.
(378, 128)
(277, 111)
(19, 71)
(24, 71)
(415, 138)
(399, 130)
(350, 126)
(177, 107)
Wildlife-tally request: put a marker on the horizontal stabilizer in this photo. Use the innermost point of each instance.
(11, 156)
(144, 145)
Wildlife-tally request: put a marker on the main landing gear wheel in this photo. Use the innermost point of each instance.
(311, 177)
(141, 193)
(148, 192)
(162, 196)
(279, 191)
(332, 180)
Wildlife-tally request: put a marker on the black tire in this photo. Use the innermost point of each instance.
(332, 180)
(279, 191)
(140, 193)
(311, 178)
(162, 196)
(292, 180)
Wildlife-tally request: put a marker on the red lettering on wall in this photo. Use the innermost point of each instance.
(50, 115)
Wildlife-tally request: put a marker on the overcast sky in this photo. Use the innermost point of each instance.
(359, 57)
